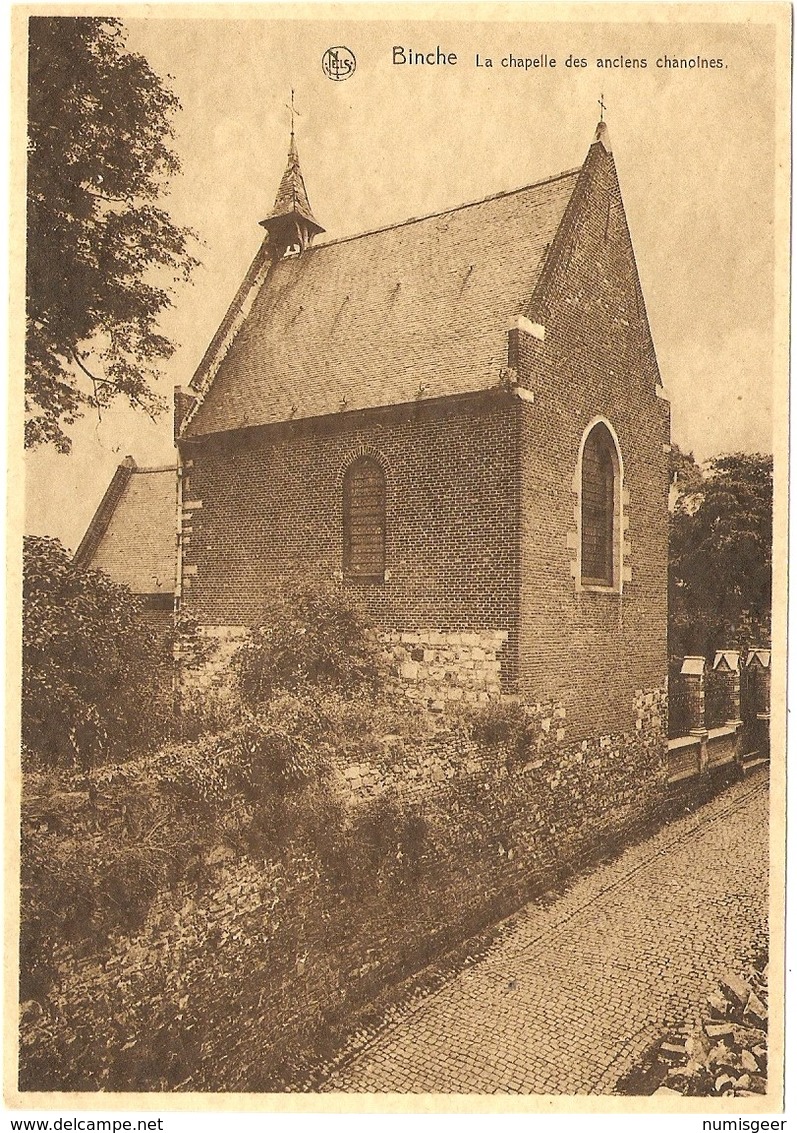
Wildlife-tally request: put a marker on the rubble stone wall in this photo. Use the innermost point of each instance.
(251, 965)
(589, 785)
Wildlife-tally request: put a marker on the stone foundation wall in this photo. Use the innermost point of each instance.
(436, 667)
(432, 667)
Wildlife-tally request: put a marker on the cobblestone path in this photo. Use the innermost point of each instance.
(571, 992)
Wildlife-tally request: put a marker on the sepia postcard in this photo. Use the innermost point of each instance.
(398, 446)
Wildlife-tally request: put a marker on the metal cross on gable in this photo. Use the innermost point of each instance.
(602, 105)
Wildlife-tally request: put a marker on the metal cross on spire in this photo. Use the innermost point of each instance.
(293, 111)
(602, 105)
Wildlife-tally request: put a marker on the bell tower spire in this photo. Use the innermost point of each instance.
(290, 224)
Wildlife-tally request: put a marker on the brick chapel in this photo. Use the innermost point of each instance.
(460, 418)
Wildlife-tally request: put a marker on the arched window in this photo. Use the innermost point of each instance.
(600, 475)
(364, 520)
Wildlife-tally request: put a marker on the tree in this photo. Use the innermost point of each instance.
(95, 676)
(721, 557)
(686, 476)
(102, 259)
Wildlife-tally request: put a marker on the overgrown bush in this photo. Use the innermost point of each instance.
(97, 849)
(311, 633)
(96, 678)
(281, 747)
(115, 984)
(92, 861)
(502, 724)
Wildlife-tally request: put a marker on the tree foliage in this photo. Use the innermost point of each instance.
(95, 678)
(721, 557)
(102, 258)
(686, 476)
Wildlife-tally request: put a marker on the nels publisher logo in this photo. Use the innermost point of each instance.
(338, 63)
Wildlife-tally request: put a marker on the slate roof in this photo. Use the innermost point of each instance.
(292, 194)
(132, 536)
(420, 308)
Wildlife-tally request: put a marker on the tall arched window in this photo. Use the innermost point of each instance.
(364, 520)
(600, 475)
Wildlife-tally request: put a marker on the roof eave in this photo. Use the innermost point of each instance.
(498, 391)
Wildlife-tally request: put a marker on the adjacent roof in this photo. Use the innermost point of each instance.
(420, 309)
(132, 536)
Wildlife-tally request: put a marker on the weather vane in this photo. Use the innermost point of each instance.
(602, 105)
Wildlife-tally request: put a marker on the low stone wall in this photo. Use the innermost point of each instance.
(588, 787)
(702, 752)
(239, 978)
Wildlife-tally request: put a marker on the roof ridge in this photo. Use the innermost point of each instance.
(157, 468)
(442, 212)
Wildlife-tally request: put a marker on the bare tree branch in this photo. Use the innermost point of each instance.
(95, 381)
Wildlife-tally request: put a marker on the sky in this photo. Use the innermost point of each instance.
(695, 153)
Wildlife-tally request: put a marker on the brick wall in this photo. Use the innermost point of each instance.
(162, 620)
(260, 506)
(588, 649)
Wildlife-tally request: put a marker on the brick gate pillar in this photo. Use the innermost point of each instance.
(758, 672)
(728, 674)
(693, 676)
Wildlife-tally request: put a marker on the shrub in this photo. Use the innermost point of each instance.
(504, 724)
(373, 726)
(280, 748)
(96, 679)
(392, 838)
(310, 633)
